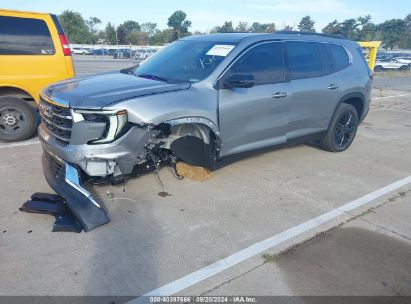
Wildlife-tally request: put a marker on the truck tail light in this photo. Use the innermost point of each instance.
(65, 44)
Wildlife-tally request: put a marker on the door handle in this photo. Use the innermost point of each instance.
(280, 95)
(332, 86)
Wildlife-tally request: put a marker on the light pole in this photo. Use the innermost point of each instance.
(117, 39)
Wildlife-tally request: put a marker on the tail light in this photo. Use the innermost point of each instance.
(65, 45)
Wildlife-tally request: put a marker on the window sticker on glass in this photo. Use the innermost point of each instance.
(220, 50)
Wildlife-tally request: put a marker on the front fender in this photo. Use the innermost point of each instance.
(197, 120)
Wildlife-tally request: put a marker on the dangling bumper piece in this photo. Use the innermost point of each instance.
(65, 180)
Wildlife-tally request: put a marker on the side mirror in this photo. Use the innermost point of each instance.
(239, 81)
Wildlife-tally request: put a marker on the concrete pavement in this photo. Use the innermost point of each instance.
(369, 255)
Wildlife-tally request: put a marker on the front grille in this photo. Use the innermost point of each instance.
(57, 121)
(54, 165)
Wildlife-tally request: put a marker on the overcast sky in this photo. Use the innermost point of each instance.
(205, 14)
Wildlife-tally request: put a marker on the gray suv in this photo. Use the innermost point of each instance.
(201, 99)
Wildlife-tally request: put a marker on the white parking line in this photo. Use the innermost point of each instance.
(26, 143)
(384, 97)
(242, 255)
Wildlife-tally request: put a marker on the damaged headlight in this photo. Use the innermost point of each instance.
(115, 123)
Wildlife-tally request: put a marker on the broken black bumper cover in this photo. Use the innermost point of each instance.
(56, 206)
(65, 180)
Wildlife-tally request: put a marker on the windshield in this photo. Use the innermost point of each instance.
(184, 61)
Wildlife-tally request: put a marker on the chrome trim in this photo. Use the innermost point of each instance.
(46, 118)
(62, 116)
(72, 178)
(77, 117)
(66, 140)
(50, 115)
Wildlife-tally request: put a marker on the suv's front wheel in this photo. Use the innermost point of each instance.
(342, 129)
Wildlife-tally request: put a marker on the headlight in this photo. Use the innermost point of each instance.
(115, 122)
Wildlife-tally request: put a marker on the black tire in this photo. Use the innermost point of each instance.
(404, 68)
(17, 119)
(342, 129)
(378, 68)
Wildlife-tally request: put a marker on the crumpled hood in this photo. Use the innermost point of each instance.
(100, 90)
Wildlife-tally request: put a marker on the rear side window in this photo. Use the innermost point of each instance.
(304, 59)
(24, 36)
(265, 62)
(340, 56)
(361, 54)
(325, 60)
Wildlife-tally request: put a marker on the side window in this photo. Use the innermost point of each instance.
(362, 57)
(340, 56)
(265, 62)
(304, 59)
(24, 36)
(325, 59)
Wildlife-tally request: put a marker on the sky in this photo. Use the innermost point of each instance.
(205, 14)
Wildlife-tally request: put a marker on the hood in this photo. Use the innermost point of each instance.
(100, 90)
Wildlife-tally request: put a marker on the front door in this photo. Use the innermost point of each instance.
(255, 117)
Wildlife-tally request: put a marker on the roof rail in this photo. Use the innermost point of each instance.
(310, 33)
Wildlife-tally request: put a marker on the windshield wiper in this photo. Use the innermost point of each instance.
(152, 77)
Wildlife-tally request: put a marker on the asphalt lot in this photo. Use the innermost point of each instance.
(88, 64)
(153, 240)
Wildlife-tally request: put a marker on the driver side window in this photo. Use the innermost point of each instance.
(264, 62)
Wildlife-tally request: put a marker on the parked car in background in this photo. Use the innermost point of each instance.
(143, 54)
(34, 52)
(82, 51)
(390, 64)
(123, 54)
(102, 52)
(405, 60)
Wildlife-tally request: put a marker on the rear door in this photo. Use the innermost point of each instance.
(31, 56)
(315, 88)
(255, 117)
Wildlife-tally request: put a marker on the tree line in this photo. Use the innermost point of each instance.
(393, 32)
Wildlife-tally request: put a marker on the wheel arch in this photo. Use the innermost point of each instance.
(14, 91)
(195, 120)
(356, 99)
(190, 143)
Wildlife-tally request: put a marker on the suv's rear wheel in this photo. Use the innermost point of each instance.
(342, 130)
(17, 119)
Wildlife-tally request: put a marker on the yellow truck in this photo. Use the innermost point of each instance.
(34, 52)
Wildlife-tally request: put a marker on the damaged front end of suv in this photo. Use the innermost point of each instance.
(107, 145)
(104, 127)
